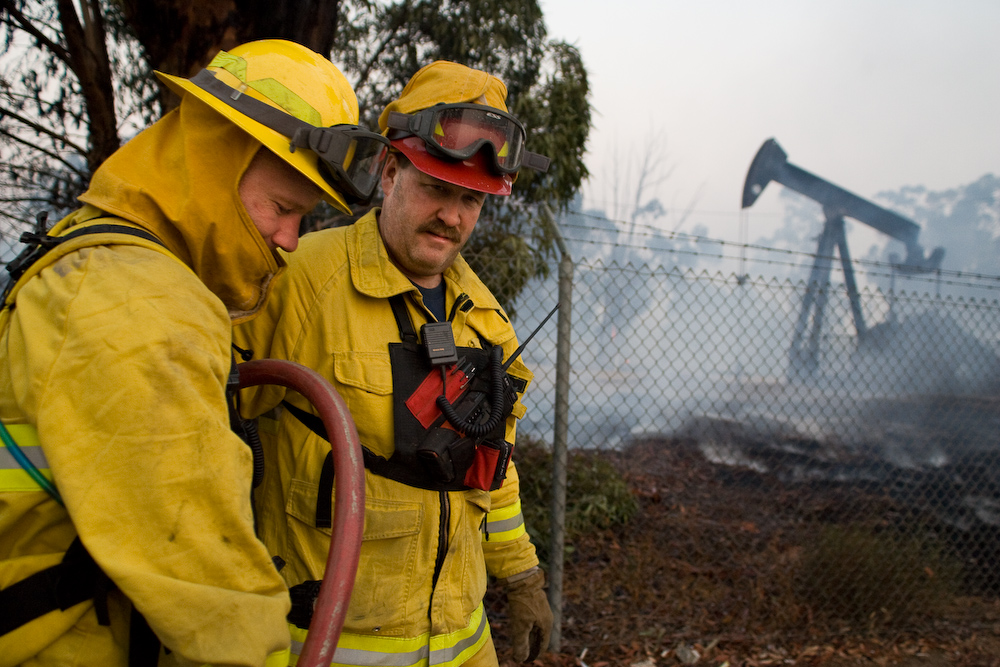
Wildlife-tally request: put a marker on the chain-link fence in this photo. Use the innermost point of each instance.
(859, 474)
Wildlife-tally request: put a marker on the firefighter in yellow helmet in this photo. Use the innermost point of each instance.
(359, 304)
(126, 530)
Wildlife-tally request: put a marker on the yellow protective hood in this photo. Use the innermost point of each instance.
(445, 82)
(179, 180)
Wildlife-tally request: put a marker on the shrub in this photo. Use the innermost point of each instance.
(857, 575)
(596, 495)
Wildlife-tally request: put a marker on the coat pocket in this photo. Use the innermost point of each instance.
(368, 371)
(389, 551)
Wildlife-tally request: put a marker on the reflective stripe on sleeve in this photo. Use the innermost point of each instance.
(12, 476)
(449, 650)
(276, 659)
(504, 523)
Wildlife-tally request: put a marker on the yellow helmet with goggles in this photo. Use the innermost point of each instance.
(298, 105)
(451, 122)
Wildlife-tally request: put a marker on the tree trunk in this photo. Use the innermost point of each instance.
(88, 57)
(182, 36)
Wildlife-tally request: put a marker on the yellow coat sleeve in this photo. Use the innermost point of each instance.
(506, 545)
(120, 356)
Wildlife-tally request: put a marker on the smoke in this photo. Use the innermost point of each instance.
(965, 221)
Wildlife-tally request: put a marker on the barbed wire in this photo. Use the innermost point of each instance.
(865, 267)
(930, 278)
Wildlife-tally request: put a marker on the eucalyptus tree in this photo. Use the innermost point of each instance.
(77, 81)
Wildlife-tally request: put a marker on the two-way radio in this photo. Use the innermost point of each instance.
(449, 404)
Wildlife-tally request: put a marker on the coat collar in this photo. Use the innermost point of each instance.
(374, 274)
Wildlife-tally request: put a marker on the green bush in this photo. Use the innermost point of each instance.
(596, 495)
(859, 575)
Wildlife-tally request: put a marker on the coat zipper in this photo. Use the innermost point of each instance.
(442, 549)
(445, 504)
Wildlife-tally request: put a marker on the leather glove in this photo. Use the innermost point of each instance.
(530, 614)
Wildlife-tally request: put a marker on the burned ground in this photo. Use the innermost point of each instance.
(709, 571)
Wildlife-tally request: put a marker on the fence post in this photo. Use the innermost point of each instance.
(560, 432)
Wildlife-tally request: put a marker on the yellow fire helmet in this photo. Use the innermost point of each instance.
(451, 121)
(301, 107)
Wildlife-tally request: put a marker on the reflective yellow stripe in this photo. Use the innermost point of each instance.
(278, 659)
(12, 476)
(504, 523)
(273, 90)
(449, 650)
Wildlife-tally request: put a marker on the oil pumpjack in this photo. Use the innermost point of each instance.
(771, 164)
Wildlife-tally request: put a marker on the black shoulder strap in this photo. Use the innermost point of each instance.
(324, 510)
(75, 579)
(109, 228)
(406, 331)
(372, 461)
(39, 243)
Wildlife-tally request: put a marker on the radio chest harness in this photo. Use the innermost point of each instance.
(450, 408)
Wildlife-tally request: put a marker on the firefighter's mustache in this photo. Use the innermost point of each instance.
(447, 232)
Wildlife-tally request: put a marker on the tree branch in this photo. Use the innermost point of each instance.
(92, 67)
(43, 151)
(45, 172)
(22, 200)
(41, 129)
(25, 24)
(380, 47)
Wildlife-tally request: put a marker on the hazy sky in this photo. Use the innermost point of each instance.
(869, 95)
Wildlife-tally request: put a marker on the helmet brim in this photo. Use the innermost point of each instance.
(304, 161)
(474, 173)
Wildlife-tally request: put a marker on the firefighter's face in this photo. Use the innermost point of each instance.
(276, 196)
(425, 221)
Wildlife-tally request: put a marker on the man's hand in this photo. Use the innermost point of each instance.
(530, 615)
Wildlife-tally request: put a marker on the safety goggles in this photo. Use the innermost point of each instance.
(459, 131)
(350, 158)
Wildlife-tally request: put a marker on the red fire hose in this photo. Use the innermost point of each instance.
(349, 495)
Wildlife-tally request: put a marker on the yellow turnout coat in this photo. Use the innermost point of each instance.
(113, 364)
(330, 312)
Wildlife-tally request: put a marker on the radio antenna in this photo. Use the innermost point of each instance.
(527, 340)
